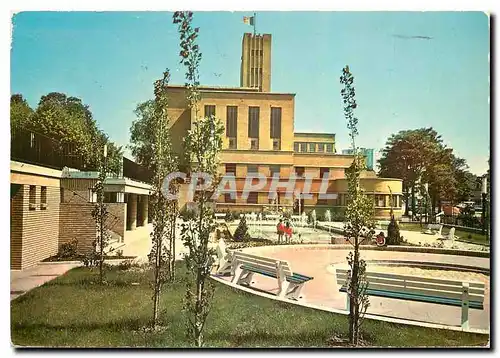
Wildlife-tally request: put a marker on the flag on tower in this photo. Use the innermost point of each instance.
(249, 20)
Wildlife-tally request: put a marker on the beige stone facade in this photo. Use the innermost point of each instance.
(260, 138)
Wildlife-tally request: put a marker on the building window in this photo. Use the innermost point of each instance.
(43, 198)
(231, 169)
(323, 172)
(321, 202)
(321, 147)
(275, 129)
(253, 197)
(229, 198)
(232, 143)
(252, 169)
(32, 198)
(274, 170)
(329, 148)
(276, 144)
(296, 147)
(312, 147)
(254, 143)
(209, 110)
(379, 201)
(61, 194)
(253, 122)
(299, 171)
(303, 147)
(231, 121)
(92, 196)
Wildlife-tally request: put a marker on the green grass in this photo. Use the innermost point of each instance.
(473, 238)
(74, 311)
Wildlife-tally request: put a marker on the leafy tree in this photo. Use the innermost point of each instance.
(358, 215)
(203, 144)
(419, 156)
(70, 122)
(20, 111)
(142, 134)
(241, 233)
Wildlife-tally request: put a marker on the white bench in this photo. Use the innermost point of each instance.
(433, 229)
(290, 284)
(463, 294)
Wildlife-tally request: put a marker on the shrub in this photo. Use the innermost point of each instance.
(229, 216)
(68, 249)
(393, 236)
(241, 233)
(186, 214)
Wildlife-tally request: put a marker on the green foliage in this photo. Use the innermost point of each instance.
(420, 156)
(241, 233)
(68, 249)
(142, 134)
(229, 216)
(69, 121)
(20, 111)
(393, 235)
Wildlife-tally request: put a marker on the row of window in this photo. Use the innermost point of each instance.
(32, 197)
(253, 125)
(340, 201)
(309, 147)
(273, 169)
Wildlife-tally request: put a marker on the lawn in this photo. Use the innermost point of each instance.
(474, 238)
(74, 311)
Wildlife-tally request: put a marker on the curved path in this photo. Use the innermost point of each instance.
(316, 261)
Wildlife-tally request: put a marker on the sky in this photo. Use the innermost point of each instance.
(411, 69)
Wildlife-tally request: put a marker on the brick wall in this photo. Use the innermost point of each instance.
(16, 226)
(40, 226)
(76, 222)
(116, 219)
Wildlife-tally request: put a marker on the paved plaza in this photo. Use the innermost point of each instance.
(317, 261)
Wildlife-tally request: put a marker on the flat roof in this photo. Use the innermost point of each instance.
(232, 89)
(314, 134)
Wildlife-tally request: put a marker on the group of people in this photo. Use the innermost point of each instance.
(284, 229)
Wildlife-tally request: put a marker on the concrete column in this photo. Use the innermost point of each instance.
(132, 203)
(145, 209)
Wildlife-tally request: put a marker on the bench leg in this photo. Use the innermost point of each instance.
(246, 277)
(237, 275)
(465, 305)
(283, 289)
(294, 291)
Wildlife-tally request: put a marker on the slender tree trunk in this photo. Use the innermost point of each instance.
(353, 299)
(407, 201)
(413, 206)
(101, 237)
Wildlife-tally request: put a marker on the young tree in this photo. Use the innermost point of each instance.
(100, 213)
(203, 145)
(358, 215)
(163, 161)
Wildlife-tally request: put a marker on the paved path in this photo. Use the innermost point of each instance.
(25, 280)
(323, 290)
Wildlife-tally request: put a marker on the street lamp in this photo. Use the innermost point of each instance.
(484, 193)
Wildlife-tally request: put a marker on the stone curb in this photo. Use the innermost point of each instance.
(424, 250)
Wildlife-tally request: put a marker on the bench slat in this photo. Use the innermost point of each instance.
(420, 298)
(296, 278)
(247, 258)
(474, 284)
(341, 279)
